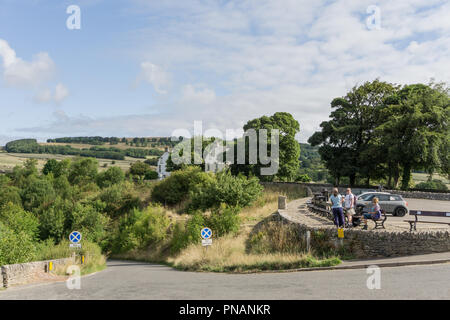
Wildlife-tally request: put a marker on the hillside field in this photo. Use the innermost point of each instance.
(9, 160)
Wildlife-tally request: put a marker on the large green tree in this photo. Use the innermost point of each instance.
(289, 148)
(415, 129)
(346, 141)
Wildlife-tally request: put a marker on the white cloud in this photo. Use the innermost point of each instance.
(21, 73)
(61, 92)
(191, 94)
(46, 95)
(34, 74)
(154, 75)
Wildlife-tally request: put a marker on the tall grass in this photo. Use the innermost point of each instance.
(228, 254)
(94, 260)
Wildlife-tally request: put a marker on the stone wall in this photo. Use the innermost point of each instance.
(422, 195)
(21, 273)
(367, 244)
(318, 187)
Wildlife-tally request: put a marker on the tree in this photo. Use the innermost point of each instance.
(83, 171)
(139, 169)
(38, 193)
(415, 128)
(50, 166)
(347, 140)
(289, 148)
(112, 175)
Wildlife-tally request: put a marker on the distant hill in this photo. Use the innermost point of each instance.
(311, 163)
(31, 146)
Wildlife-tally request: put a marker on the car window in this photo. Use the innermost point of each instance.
(366, 197)
(394, 198)
(383, 197)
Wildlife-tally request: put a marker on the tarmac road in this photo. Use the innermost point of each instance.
(430, 205)
(136, 280)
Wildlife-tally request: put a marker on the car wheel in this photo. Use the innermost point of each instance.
(400, 212)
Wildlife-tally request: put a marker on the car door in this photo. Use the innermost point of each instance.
(385, 203)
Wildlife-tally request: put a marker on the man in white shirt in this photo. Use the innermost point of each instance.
(349, 205)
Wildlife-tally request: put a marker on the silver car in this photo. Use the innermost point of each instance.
(391, 203)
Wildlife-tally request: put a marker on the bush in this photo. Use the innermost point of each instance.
(19, 221)
(38, 192)
(151, 175)
(176, 188)
(91, 223)
(151, 226)
(83, 171)
(139, 229)
(10, 194)
(224, 220)
(183, 235)
(15, 247)
(53, 220)
(119, 199)
(434, 184)
(113, 175)
(238, 191)
(303, 178)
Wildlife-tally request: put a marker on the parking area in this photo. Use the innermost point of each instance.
(421, 204)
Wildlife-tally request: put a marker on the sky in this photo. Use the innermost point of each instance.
(148, 68)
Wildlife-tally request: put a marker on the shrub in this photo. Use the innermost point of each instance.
(151, 175)
(38, 192)
(151, 226)
(50, 166)
(183, 235)
(139, 229)
(10, 194)
(303, 178)
(91, 223)
(434, 184)
(113, 175)
(175, 189)
(119, 198)
(83, 170)
(235, 191)
(19, 220)
(53, 220)
(224, 220)
(15, 247)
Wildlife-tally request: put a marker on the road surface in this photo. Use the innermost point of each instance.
(430, 205)
(136, 280)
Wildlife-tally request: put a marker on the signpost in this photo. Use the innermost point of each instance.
(75, 239)
(206, 235)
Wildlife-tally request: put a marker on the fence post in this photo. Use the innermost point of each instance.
(282, 203)
(308, 241)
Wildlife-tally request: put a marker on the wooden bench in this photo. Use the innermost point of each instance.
(418, 213)
(379, 223)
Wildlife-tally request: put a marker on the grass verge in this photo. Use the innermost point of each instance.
(231, 253)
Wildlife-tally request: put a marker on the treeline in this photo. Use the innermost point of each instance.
(137, 141)
(86, 140)
(382, 131)
(31, 146)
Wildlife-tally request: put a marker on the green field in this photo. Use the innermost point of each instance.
(9, 160)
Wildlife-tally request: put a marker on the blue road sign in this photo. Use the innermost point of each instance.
(75, 237)
(206, 233)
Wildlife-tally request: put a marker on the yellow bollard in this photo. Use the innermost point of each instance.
(340, 233)
(82, 259)
(50, 266)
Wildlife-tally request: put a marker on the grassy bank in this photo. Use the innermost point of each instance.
(237, 252)
(94, 260)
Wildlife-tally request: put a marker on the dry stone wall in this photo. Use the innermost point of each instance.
(21, 273)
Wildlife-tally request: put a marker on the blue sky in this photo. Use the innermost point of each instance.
(147, 68)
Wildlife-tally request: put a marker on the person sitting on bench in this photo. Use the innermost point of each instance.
(373, 214)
